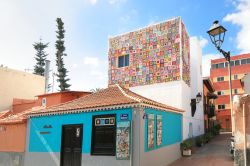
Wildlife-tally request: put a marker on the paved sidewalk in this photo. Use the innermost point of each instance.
(215, 153)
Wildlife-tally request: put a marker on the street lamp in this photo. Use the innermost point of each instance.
(217, 34)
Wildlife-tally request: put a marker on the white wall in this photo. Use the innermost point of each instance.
(169, 93)
(196, 84)
(175, 94)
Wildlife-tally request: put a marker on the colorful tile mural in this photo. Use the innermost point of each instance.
(154, 55)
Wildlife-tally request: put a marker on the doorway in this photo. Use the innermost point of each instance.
(71, 145)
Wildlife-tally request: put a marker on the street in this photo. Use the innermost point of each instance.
(215, 153)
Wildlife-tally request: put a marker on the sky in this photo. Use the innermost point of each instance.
(89, 24)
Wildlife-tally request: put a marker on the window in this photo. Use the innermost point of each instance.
(237, 62)
(44, 102)
(226, 64)
(219, 79)
(236, 77)
(221, 65)
(123, 61)
(232, 63)
(243, 61)
(248, 60)
(213, 66)
(235, 91)
(221, 107)
(103, 135)
(220, 93)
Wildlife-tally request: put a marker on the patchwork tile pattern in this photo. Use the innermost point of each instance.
(154, 55)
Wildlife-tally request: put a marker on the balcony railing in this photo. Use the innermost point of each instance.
(210, 111)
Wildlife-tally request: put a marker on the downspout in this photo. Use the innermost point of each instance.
(131, 138)
(244, 132)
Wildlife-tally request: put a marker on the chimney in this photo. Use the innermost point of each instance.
(46, 75)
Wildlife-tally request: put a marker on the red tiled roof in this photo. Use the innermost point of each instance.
(3, 113)
(109, 97)
(19, 117)
(234, 57)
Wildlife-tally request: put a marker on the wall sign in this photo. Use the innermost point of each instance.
(78, 132)
(45, 132)
(123, 140)
(124, 116)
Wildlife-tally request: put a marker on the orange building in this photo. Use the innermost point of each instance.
(240, 66)
(13, 122)
(208, 104)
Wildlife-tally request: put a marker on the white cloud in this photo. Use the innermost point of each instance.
(206, 63)
(92, 61)
(113, 2)
(241, 18)
(93, 2)
(20, 28)
(203, 41)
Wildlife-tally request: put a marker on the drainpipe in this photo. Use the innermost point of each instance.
(131, 138)
(244, 132)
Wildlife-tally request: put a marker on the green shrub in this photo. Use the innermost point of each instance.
(199, 141)
(208, 136)
(187, 144)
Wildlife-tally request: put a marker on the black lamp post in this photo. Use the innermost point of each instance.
(217, 34)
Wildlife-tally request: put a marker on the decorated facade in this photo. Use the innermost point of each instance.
(155, 54)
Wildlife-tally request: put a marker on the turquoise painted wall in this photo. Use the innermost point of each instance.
(52, 142)
(171, 128)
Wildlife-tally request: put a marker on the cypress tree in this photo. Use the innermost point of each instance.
(60, 53)
(40, 57)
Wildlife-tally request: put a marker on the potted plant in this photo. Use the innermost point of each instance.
(186, 147)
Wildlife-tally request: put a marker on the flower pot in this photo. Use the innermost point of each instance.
(186, 152)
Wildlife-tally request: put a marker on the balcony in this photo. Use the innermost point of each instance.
(210, 110)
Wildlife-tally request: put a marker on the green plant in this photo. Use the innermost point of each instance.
(199, 141)
(216, 129)
(187, 144)
(204, 140)
(208, 136)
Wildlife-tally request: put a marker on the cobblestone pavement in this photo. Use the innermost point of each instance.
(215, 153)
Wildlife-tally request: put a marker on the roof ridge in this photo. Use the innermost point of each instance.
(126, 95)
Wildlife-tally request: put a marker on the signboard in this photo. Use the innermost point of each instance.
(123, 140)
(104, 121)
(124, 117)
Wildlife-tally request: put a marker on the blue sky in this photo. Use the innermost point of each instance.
(89, 23)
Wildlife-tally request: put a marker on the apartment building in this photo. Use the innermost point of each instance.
(240, 65)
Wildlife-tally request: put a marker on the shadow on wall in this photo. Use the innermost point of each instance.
(11, 159)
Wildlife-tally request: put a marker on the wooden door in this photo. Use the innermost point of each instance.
(71, 146)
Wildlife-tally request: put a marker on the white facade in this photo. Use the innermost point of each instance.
(178, 94)
(196, 84)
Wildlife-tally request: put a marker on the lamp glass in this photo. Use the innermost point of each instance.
(217, 34)
(198, 97)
